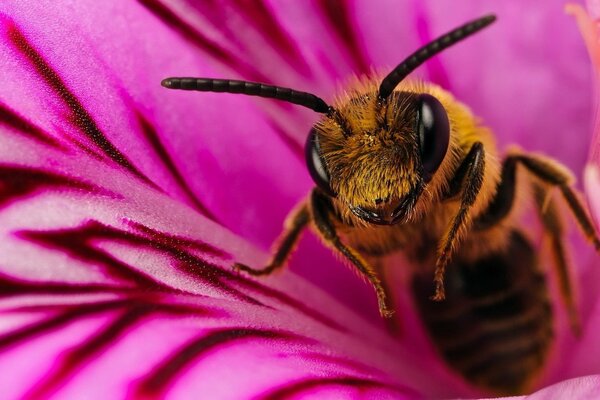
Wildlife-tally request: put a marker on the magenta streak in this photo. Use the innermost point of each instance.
(305, 385)
(219, 278)
(259, 14)
(36, 329)
(164, 375)
(340, 21)
(18, 181)
(80, 117)
(10, 118)
(196, 37)
(10, 286)
(167, 239)
(78, 242)
(75, 358)
(188, 263)
(152, 137)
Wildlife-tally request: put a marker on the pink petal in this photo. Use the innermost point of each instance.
(592, 186)
(589, 31)
(105, 254)
(104, 275)
(583, 388)
(593, 7)
(115, 273)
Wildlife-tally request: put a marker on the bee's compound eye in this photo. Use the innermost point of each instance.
(434, 133)
(316, 164)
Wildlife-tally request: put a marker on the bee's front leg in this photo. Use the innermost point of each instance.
(284, 246)
(321, 208)
(468, 180)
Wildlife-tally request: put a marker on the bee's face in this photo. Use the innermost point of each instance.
(376, 157)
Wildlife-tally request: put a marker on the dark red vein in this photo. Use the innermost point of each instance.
(152, 137)
(50, 324)
(134, 298)
(10, 286)
(206, 45)
(221, 279)
(18, 181)
(340, 20)
(80, 117)
(171, 240)
(10, 118)
(78, 243)
(288, 300)
(361, 384)
(71, 361)
(168, 371)
(261, 16)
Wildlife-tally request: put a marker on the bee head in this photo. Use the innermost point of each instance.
(376, 151)
(376, 156)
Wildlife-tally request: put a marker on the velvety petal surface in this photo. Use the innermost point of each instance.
(115, 275)
(123, 205)
(586, 387)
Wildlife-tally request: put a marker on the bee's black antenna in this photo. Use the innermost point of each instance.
(426, 52)
(307, 100)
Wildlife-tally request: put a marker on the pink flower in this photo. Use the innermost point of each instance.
(123, 205)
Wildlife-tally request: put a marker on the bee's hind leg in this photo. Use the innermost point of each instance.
(321, 210)
(293, 227)
(553, 227)
(552, 173)
(547, 174)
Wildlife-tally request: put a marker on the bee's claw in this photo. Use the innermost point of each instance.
(239, 268)
(386, 312)
(440, 292)
(438, 297)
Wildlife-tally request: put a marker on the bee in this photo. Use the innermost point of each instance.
(401, 165)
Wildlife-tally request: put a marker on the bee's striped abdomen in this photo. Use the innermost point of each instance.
(495, 326)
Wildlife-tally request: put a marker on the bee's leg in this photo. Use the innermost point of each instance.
(553, 226)
(549, 174)
(392, 324)
(321, 210)
(293, 227)
(554, 174)
(470, 178)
